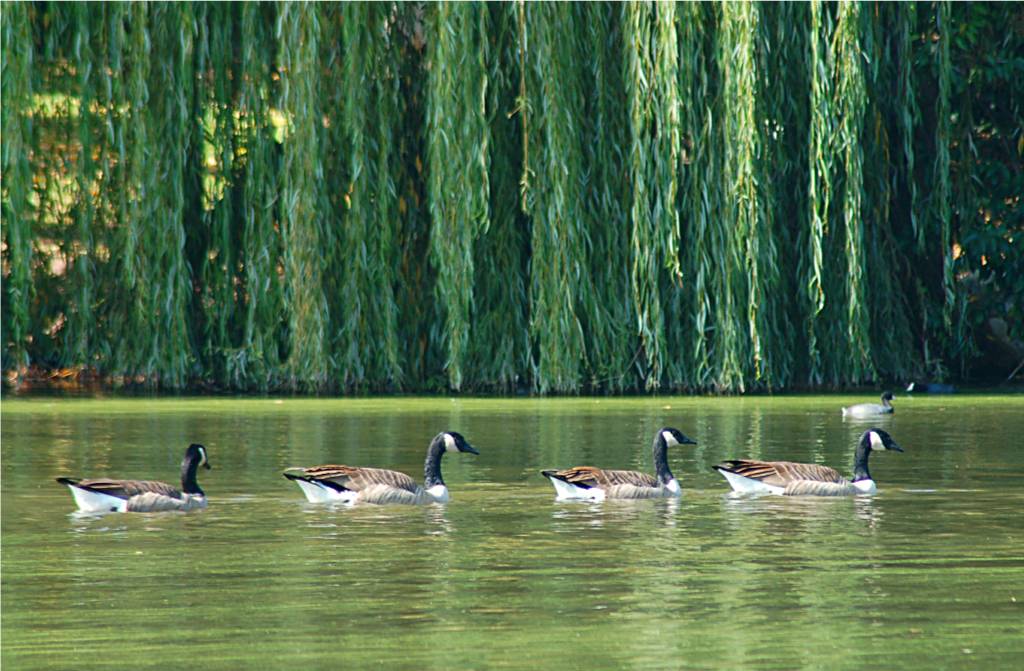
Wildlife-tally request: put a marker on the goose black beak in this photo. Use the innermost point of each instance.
(689, 441)
(894, 447)
(468, 448)
(206, 465)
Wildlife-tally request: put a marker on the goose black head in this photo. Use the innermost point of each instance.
(196, 453)
(887, 396)
(673, 437)
(877, 439)
(454, 442)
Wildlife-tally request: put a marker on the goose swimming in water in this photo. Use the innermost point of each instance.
(870, 409)
(931, 388)
(597, 484)
(788, 478)
(352, 484)
(142, 496)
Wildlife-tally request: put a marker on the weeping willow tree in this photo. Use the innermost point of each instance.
(257, 361)
(552, 197)
(608, 319)
(500, 340)
(941, 197)
(368, 330)
(215, 251)
(699, 192)
(459, 154)
(17, 85)
(299, 215)
(653, 74)
(851, 100)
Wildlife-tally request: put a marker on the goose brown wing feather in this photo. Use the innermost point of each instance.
(635, 478)
(589, 476)
(357, 478)
(781, 473)
(125, 489)
(584, 476)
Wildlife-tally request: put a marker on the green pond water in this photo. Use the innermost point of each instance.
(928, 574)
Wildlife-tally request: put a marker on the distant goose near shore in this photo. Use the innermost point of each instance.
(352, 484)
(588, 482)
(142, 496)
(870, 409)
(930, 388)
(795, 479)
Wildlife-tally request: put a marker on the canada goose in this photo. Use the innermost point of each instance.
(142, 496)
(870, 409)
(793, 479)
(931, 388)
(588, 482)
(352, 484)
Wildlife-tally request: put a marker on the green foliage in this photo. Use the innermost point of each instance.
(850, 102)
(553, 196)
(652, 72)
(459, 156)
(17, 195)
(558, 197)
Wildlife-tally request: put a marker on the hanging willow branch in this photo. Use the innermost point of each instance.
(943, 195)
(259, 358)
(699, 189)
(301, 174)
(652, 73)
(850, 104)
(78, 241)
(369, 314)
(458, 151)
(607, 312)
(554, 198)
(820, 185)
(17, 83)
(499, 348)
(215, 154)
(752, 244)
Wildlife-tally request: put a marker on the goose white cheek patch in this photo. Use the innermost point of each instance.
(670, 440)
(449, 443)
(876, 441)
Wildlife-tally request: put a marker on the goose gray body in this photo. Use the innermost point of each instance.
(790, 478)
(589, 482)
(862, 410)
(142, 496)
(381, 486)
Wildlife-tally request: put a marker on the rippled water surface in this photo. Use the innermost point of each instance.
(927, 574)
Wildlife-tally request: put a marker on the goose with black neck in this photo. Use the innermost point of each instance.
(355, 484)
(597, 484)
(787, 478)
(101, 495)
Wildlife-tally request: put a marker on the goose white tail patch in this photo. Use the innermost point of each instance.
(568, 492)
(94, 502)
(317, 493)
(669, 439)
(746, 485)
(449, 443)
